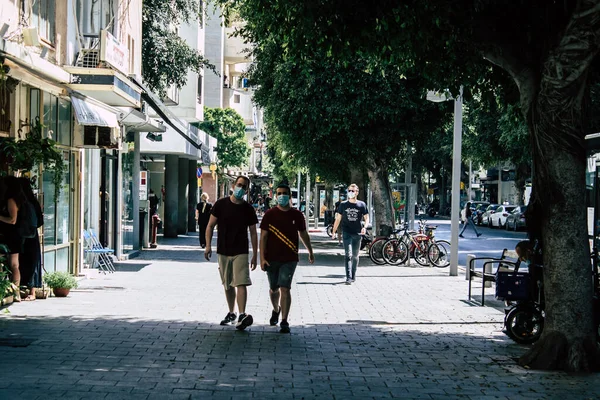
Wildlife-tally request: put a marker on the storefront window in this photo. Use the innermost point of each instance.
(127, 210)
(50, 116)
(56, 211)
(63, 129)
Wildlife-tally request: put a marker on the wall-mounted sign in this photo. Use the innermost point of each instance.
(143, 185)
(113, 52)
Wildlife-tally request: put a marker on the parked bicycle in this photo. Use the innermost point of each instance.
(421, 246)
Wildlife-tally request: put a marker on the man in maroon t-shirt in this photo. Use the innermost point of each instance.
(279, 252)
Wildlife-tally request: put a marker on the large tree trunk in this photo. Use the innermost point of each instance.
(382, 196)
(357, 176)
(523, 172)
(554, 108)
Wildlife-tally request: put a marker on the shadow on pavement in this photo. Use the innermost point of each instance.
(104, 357)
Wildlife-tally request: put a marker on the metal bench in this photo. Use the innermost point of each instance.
(508, 261)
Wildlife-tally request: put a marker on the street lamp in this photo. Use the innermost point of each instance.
(456, 172)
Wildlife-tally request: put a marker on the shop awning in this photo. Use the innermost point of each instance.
(88, 113)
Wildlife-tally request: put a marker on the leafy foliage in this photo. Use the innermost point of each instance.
(228, 127)
(25, 155)
(166, 57)
(60, 279)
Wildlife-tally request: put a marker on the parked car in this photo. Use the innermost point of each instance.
(516, 219)
(475, 215)
(479, 210)
(485, 216)
(498, 218)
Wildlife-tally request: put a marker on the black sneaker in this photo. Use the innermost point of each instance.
(348, 281)
(285, 326)
(229, 318)
(274, 317)
(244, 321)
(479, 234)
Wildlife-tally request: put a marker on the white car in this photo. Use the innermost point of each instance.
(498, 218)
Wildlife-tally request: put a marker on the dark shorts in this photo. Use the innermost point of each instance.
(280, 274)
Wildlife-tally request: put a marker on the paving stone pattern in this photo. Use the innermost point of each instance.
(151, 331)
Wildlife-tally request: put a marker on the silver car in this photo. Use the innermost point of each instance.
(485, 217)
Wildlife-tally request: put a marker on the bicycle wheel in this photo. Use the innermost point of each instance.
(439, 254)
(375, 251)
(419, 253)
(524, 325)
(395, 252)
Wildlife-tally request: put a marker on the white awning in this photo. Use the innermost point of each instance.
(88, 113)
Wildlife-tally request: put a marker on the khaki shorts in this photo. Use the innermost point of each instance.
(234, 270)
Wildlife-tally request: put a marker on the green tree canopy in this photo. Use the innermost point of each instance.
(228, 127)
(166, 57)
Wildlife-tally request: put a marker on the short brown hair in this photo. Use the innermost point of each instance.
(353, 185)
(244, 177)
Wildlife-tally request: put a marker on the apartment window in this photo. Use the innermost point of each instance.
(95, 15)
(42, 14)
(236, 98)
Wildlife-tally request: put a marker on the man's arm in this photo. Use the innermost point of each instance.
(209, 233)
(338, 219)
(254, 240)
(305, 238)
(264, 235)
(366, 219)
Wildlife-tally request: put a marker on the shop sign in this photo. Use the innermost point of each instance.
(113, 52)
(143, 185)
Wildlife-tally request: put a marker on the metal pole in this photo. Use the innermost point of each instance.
(499, 184)
(298, 192)
(410, 207)
(306, 199)
(456, 163)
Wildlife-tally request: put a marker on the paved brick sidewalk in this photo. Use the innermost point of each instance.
(150, 331)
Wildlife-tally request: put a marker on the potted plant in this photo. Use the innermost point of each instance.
(61, 283)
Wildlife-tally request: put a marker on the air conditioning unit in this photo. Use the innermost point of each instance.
(95, 137)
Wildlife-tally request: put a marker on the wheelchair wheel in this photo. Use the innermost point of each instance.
(524, 325)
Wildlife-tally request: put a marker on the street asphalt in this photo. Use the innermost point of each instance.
(151, 331)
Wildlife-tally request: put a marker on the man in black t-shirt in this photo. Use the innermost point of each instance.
(235, 218)
(350, 215)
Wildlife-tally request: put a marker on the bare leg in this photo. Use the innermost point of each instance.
(275, 299)
(286, 302)
(31, 295)
(242, 295)
(16, 274)
(230, 295)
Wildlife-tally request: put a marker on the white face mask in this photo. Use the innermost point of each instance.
(351, 195)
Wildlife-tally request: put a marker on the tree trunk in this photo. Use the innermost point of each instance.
(554, 108)
(357, 176)
(523, 172)
(382, 197)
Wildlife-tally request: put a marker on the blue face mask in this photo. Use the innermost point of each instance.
(283, 200)
(238, 192)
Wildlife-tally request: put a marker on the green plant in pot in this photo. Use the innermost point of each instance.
(60, 282)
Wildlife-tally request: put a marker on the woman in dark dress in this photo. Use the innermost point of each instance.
(202, 216)
(30, 260)
(10, 203)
